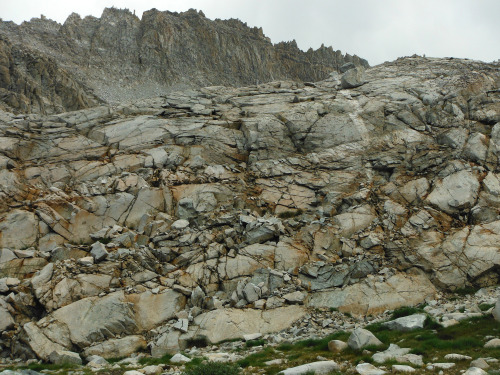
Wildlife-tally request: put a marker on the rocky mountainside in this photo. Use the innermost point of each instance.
(219, 212)
(46, 67)
(209, 214)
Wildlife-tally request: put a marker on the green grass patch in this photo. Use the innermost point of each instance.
(213, 368)
(285, 347)
(433, 342)
(405, 311)
(486, 306)
(258, 359)
(155, 361)
(252, 343)
(466, 291)
(48, 366)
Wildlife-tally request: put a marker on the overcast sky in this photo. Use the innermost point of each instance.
(378, 30)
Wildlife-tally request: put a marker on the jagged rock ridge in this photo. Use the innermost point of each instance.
(119, 56)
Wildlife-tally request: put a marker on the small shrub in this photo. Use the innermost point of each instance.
(198, 341)
(285, 347)
(404, 311)
(486, 306)
(466, 291)
(252, 343)
(155, 361)
(430, 323)
(213, 368)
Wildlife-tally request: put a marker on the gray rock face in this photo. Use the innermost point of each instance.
(116, 348)
(296, 196)
(140, 47)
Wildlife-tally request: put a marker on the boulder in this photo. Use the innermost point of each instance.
(407, 323)
(96, 319)
(493, 343)
(374, 297)
(475, 371)
(150, 310)
(6, 320)
(336, 346)
(98, 252)
(481, 363)
(368, 369)
(228, 324)
(361, 338)
(62, 357)
(18, 229)
(496, 310)
(455, 193)
(41, 345)
(394, 352)
(353, 78)
(402, 368)
(179, 358)
(320, 367)
(116, 348)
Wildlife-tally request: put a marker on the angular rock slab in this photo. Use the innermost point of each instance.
(475, 371)
(95, 319)
(374, 297)
(39, 342)
(116, 348)
(407, 323)
(368, 369)
(228, 324)
(361, 338)
(321, 367)
(61, 357)
(496, 310)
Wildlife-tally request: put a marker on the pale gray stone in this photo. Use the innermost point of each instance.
(321, 367)
(99, 252)
(115, 348)
(361, 338)
(337, 346)
(407, 323)
(179, 358)
(368, 369)
(475, 371)
(353, 78)
(60, 357)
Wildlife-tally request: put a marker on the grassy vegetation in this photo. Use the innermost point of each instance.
(486, 306)
(48, 366)
(155, 361)
(213, 368)
(433, 343)
(252, 343)
(405, 311)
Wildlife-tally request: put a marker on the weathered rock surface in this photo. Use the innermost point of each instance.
(407, 323)
(221, 211)
(140, 57)
(321, 367)
(361, 338)
(230, 324)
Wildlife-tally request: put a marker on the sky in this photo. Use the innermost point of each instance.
(378, 30)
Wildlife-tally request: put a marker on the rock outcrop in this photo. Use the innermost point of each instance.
(46, 67)
(211, 214)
